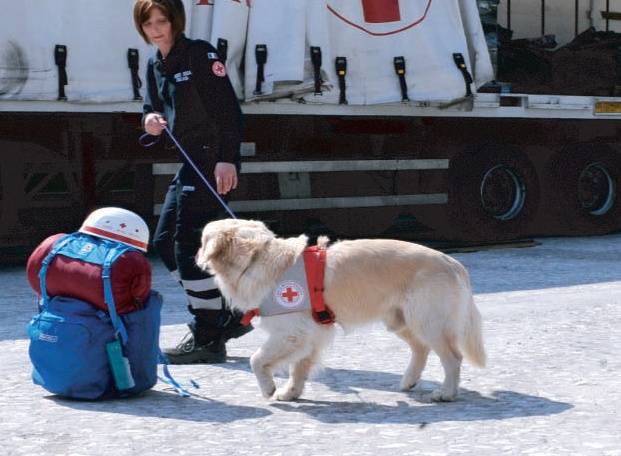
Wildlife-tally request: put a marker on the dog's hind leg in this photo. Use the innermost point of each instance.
(395, 322)
(451, 358)
(418, 359)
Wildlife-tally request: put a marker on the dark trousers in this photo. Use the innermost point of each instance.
(188, 206)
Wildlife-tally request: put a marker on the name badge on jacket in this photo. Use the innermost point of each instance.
(183, 76)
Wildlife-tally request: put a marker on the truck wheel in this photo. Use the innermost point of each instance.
(493, 194)
(584, 184)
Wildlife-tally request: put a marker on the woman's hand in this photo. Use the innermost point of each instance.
(226, 177)
(154, 123)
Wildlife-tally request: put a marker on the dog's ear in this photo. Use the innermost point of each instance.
(214, 245)
(245, 247)
(220, 246)
(227, 245)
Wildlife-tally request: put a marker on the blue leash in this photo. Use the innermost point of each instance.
(191, 162)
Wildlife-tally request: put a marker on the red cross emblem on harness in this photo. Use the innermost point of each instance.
(289, 293)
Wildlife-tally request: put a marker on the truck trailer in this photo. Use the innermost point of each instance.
(462, 121)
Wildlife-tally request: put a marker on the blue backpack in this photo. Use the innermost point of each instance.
(83, 352)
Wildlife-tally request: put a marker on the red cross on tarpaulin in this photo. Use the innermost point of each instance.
(382, 12)
(379, 11)
(289, 294)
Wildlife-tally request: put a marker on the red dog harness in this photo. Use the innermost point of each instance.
(314, 267)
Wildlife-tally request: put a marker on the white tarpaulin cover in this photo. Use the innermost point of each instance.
(368, 33)
(97, 36)
(230, 22)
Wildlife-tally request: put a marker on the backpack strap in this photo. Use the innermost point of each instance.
(46, 264)
(114, 252)
(112, 255)
(168, 378)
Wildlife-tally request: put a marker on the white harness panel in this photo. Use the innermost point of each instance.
(290, 294)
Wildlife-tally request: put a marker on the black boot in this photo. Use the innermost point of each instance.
(205, 343)
(230, 322)
(196, 348)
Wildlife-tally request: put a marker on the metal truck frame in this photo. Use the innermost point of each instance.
(497, 166)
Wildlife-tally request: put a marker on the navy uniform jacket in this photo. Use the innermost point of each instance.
(191, 89)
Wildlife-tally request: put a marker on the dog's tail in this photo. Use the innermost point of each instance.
(473, 340)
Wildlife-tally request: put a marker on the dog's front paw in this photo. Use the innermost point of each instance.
(441, 395)
(286, 394)
(407, 385)
(268, 393)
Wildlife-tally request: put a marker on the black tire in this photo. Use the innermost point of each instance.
(493, 194)
(585, 179)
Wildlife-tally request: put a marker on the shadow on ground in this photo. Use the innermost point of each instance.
(469, 406)
(414, 409)
(169, 405)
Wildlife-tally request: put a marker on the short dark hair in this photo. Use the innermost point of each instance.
(172, 9)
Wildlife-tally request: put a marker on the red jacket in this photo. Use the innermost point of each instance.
(130, 277)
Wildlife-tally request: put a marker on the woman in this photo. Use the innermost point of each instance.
(188, 91)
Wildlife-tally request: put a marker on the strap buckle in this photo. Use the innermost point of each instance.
(260, 53)
(133, 58)
(400, 70)
(223, 49)
(315, 54)
(133, 62)
(459, 60)
(340, 65)
(324, 317)
(60, 58)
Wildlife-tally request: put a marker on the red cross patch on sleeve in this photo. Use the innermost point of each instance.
(218, 69)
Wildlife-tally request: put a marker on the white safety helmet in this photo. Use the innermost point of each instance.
(117, 224)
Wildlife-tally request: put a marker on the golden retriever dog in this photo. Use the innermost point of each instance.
(421, 295)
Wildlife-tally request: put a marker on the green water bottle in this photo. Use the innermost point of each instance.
(119, 365)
